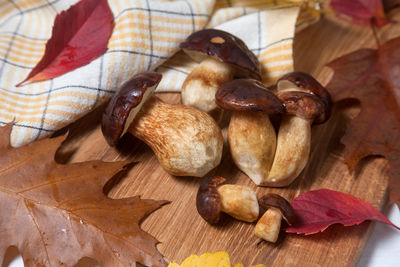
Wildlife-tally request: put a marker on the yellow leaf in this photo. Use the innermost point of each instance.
(217, 259)
(206, 257)
(192, 261)
(220, 259)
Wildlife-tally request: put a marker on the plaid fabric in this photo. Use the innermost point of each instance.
(146, 34)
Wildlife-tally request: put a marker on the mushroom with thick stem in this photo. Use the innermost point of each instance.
(222, 56)
(251, 136)
(185, 140)
(238, 201)
(277, 207)
(306, 101)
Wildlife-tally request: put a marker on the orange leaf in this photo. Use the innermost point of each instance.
(80, 35)
(56, 214)
(372, 76)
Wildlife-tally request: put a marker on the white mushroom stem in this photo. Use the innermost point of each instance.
(252, 141)
(292, 151)
(268, 226)
(239, 201)
(203, 82)
(185, 140)
(293, 148)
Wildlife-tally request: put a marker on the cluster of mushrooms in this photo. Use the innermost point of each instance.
(187, 140)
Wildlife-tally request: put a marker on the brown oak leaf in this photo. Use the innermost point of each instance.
(373, 77)
(56, 214)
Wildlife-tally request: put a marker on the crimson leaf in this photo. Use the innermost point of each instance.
(317, 210)
(80, 35)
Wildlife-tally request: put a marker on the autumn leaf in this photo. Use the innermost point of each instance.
(372, 76)
(363, 12)
(390, 4)
(56, 214)
(80, 35)
(317, 210)
(217, 259)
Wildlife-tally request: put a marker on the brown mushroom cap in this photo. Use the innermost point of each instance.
(208, 200)
(125, 104)
(276, 201)
(307, 83)
(224, 46)
(301, 104)
(248, 95)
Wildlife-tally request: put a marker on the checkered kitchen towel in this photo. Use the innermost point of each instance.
(146, 34)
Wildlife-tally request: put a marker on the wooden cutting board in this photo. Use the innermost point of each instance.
(180, 229)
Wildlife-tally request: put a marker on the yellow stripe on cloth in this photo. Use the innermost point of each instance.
(146, 36)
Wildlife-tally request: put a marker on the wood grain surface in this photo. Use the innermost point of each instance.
(180, 229)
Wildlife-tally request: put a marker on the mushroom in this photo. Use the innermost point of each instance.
(222, 56)
(306, 101)
(251, 136)
(268, 226)
(236, 200)
(185, 140)
(301, 81)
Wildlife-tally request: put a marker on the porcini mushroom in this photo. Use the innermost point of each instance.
(222, 56)
(277, 207)
(185, 140)
(238, 201)
(306, 101)
(251, 136)
(301, 81)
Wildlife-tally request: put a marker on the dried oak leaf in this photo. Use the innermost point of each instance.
(373, 77)
(363, 12)
(56, 214)
(317, 210)
(80, 35)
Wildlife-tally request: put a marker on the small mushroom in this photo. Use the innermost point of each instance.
(238, 201)
(305, 82)
(251, 136)
(185, 140)
(222, 56)
(305, 101)
(208, 200)
(268, 226)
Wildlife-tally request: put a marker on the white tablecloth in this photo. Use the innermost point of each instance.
(383, 247)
